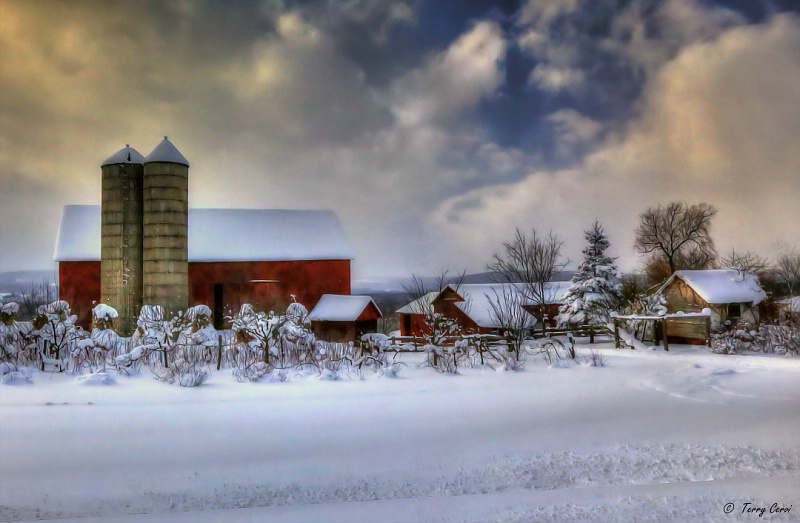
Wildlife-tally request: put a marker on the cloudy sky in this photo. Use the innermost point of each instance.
(432, 127)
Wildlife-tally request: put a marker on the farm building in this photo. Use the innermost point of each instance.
(731, 295)
(479, 308)
(340, 318)
(412, 315)
(143, 245)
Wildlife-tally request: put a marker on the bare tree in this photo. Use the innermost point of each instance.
(787, 271)
(529, 262)
(515, 323)
(746, 261)
(35, 295)
(437, 325)
(678, 236)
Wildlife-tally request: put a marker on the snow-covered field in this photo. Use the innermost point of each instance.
(652, 436)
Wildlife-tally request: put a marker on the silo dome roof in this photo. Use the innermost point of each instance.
(125, 155)
(165, 152)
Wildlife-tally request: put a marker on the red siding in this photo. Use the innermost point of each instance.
(413, 325)
(267, 285)
(445, 304)
(79, 285)
(370, 313)
(275, 283)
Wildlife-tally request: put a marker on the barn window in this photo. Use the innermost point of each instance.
(407, 324)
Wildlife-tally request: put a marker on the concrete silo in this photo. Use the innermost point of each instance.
(165, 229)
(121, 236)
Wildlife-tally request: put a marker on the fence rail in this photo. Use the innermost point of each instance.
(417, 343)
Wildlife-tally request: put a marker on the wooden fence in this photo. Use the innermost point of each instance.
(414, 343)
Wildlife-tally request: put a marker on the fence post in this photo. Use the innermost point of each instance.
(591, 333)
(616, 334)
(665, 333)
(219, 350)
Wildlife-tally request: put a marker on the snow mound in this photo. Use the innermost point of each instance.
(23, 376)
(97, 378)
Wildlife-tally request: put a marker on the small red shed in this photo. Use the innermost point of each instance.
(340, 318)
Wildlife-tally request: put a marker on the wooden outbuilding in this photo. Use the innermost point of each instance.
(732, 297)
(475, 307)
(340, 318)
(412, 315)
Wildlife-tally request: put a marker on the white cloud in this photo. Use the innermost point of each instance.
(720, 123)
(551, 78)
(457, 78)
(543, 12)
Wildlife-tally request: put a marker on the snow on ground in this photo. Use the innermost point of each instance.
(650, 437)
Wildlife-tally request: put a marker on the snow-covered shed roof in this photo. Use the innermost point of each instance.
(420, 305)
(165, 152)
(125, 155)
(224, 235)
(718, 286)
(339, 307)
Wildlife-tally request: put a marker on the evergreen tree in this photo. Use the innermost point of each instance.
(595, 289)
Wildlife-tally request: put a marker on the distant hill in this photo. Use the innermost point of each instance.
(492, 277)
(398, 285)
(16, 282)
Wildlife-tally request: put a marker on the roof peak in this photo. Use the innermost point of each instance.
(166, 152)
(125, 155)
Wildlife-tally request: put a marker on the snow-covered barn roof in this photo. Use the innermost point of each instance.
(223, 235)
(339, 307)
(481, 300)
(78, 234)
(167, 153)
(718, 286)
(554, 291)
(420, 305)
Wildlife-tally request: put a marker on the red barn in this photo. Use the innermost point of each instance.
(475, 307)
(236, 256)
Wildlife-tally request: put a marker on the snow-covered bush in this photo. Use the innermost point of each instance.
(265, 342)
(778, 339)
(16, 342)
(596, 359)
(184, 373)
(21, 376)
(254, 343)
(167, 348)
(199, 340)
(101, 347)
(55, 334)
(551, 350)
(295, 341)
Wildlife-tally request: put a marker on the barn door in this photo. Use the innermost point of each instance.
(219, 307)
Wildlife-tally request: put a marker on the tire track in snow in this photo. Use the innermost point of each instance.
(614, 466)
